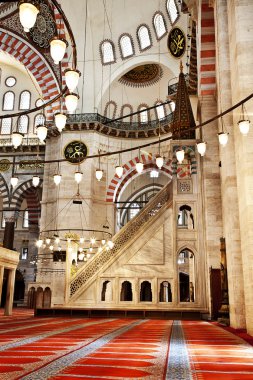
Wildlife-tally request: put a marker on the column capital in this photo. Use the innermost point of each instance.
(10, 216)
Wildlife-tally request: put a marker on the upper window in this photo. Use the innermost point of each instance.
(39, 119)
(6, 126)
(24, 100)
(8, 101)
(107, 52)
(26, 219)
(23, 122)
(144, 38)
(159, 25)
(127, 109)
(110, 109)
(143, 115)
(39, 102)
(172, 11)
(160, 111)
(126, 46)
(10, 81)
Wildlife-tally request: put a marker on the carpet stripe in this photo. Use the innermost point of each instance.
(178, 362)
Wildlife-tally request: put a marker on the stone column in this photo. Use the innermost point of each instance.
(230, 211)
(10, 218)
(240, 25)
(10, 292)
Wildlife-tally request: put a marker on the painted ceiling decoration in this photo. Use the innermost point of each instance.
(142, 76)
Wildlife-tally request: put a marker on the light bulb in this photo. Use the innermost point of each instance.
(57, 240)
(201, 148)
(223, 138)
(16, 139)
(180, 156)
(103, 241)
(159, 161)
(48, 240)
(14, 181)
(59, 249)
(99, 249)
(60, 121)
(81, 256)
(39, 243)
(110, 244)
(81, 240)
(78, 176)
(119, 171)
(51, 247)
(41, 132)
(99, 174)
(244, 127)
(88, 255)
(57, 179)
(27, 14)
(93, 240)
(36, 180)
(72, 78)
(71, 102)
(57, 49)
(139, 167)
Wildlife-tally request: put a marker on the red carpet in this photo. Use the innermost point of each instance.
(216, 354)
(116, 349)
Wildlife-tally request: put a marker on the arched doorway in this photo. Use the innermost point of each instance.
(19, 290)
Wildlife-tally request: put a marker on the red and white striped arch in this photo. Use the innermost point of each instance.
(34, 61)
(117, 184)
(207, 53)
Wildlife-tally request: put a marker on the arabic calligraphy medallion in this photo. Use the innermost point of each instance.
(176, 42)
(75, 152)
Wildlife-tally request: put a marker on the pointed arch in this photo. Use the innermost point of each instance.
(118, 184)
(27, 191)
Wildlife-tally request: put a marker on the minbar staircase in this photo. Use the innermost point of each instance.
(131, 231)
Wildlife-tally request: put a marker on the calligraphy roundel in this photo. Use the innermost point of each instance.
(75, 152)
(176, 42)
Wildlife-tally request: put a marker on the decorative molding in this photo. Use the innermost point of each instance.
(142, 75)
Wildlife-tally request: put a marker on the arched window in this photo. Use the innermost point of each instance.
(185, 217)
(144, 38)
(126, 109)
(165, 294)
(107, 52)
(143, 116)
(126, 46)
(172, 11)
(106, 294)
(39, 120)
(8, 101)
(39, 102)
(110, 109)
(159, 25)
(160, 111)
(25, 100)
(23, 123)
(6, 127)
(186, 276)
(26, 219)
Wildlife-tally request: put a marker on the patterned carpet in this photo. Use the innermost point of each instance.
(35, 348)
